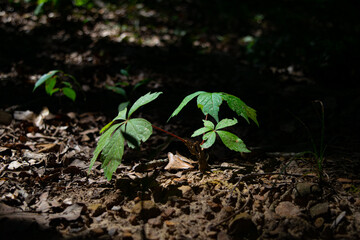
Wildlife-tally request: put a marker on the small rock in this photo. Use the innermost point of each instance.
(287, 209)
(319, 222)
(344, 205)
(147, 209)
(186, 191)
(242, 227)
(156, 222)
(319, 209)
(97, 231)
(5, 118)
(167, 213)
(306, 188)
(97, 209)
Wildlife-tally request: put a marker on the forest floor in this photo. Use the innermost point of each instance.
(46, 144)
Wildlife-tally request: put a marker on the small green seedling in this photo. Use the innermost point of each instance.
(57, 76)
(125, 89)
(110, 148)
(209, 103)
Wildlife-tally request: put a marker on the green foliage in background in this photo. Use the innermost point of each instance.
(125, 90)
(58, 81)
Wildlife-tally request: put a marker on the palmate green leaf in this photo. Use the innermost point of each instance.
(112, 153)
(232, 141)
(201, 131)
(123, 105)
(209, 103)
(49, 85)
(137, 129)
(209, 139)
(142, 101)
(69, 92)
(226, 123)
(185, 101)
(45, 77)
(238, 106)
(208, 124)
(102, 142)
(121, 116)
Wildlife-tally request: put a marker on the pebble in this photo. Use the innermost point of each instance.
(97, 231)
(147, 209)
(319, 209)
(156, 222)
(287, 209)
(167, 213)
(186, 191)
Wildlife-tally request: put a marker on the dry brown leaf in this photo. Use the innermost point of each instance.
(177, 162)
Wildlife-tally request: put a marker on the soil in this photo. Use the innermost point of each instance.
(46, 142)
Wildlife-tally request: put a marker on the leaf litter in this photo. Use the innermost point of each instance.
(44, 181)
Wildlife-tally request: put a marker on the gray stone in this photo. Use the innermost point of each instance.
(319, 209)
(287, 209)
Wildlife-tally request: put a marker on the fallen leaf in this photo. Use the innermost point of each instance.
(177, 162)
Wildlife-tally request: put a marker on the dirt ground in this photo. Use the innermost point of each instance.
(46, 143)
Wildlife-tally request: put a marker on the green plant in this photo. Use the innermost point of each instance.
(53, 77)
(209, 103)
(55, 4)
(110, 148)
(125, 89)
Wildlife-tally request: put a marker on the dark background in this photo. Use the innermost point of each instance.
(277, 56)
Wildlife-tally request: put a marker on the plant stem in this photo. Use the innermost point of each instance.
(171, 134)
(194, 148)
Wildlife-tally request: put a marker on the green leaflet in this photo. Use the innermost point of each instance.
(209, 138)
(201, 131)
(232, 141)
(142, 101)
(112, 154)
(240, 107)
(209, 103)
(185, 101)
(45, 77)
(101, 143)
(69, 92)
(208, 124)
(121, 116)
(226, 123)
(117, 90)
(49, 85)
(137, 129)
